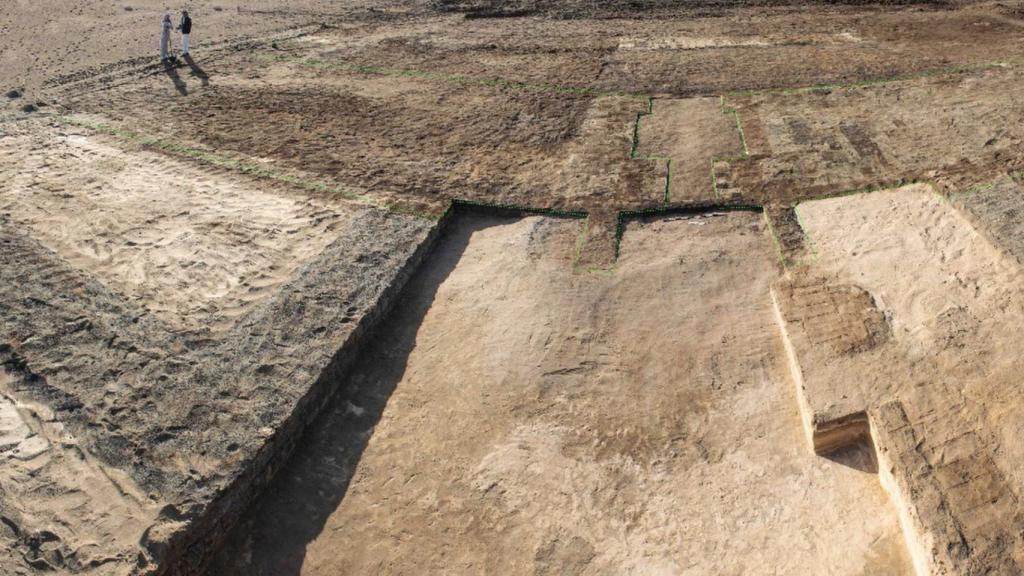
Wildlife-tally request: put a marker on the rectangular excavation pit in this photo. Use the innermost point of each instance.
(825, 326)
(515, 417)
(941, 389)
(499, 143)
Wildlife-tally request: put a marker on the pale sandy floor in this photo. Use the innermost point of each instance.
(918, 255)
(42, 40)
(196, 247)
(545, 422)
(955, 305)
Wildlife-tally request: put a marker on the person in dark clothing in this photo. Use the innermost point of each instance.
(185, 26)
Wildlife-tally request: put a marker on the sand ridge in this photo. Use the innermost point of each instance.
(62, 507)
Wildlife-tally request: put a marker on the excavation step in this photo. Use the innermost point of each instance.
(909, 329)
(824, 327)
(933, 538)
(788, 234)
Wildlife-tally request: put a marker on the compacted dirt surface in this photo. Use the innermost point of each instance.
(577, 435)
(529, 287)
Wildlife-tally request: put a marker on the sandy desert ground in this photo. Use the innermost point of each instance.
(526, 287)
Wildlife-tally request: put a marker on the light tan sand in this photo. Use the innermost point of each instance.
(640, 422)
(922, 260)
(552, 423)
(42, 40)
(954, 303)
(196, 247)
(67, 508)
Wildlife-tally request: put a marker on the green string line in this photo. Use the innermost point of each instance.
(623, 216)
(783, 259)
(744, 155)
(634, 150)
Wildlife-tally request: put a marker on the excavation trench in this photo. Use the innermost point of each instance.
(512, 416)
(897, 335)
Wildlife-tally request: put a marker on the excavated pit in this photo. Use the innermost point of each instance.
(930, 304)
(546, 422)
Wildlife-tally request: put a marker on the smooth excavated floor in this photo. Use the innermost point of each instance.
(517, 418)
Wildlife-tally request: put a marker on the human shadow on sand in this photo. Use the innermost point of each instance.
(198, 72)
(171, 69)
(272, 537)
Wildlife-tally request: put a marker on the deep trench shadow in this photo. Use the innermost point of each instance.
(859, 455)
(198, 72)
(272, 537)
(171, 69)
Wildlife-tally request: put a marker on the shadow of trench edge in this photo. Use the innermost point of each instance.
(623, 216)
(196, 543)
(202, 541)
(302, 504)
(297, 507)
